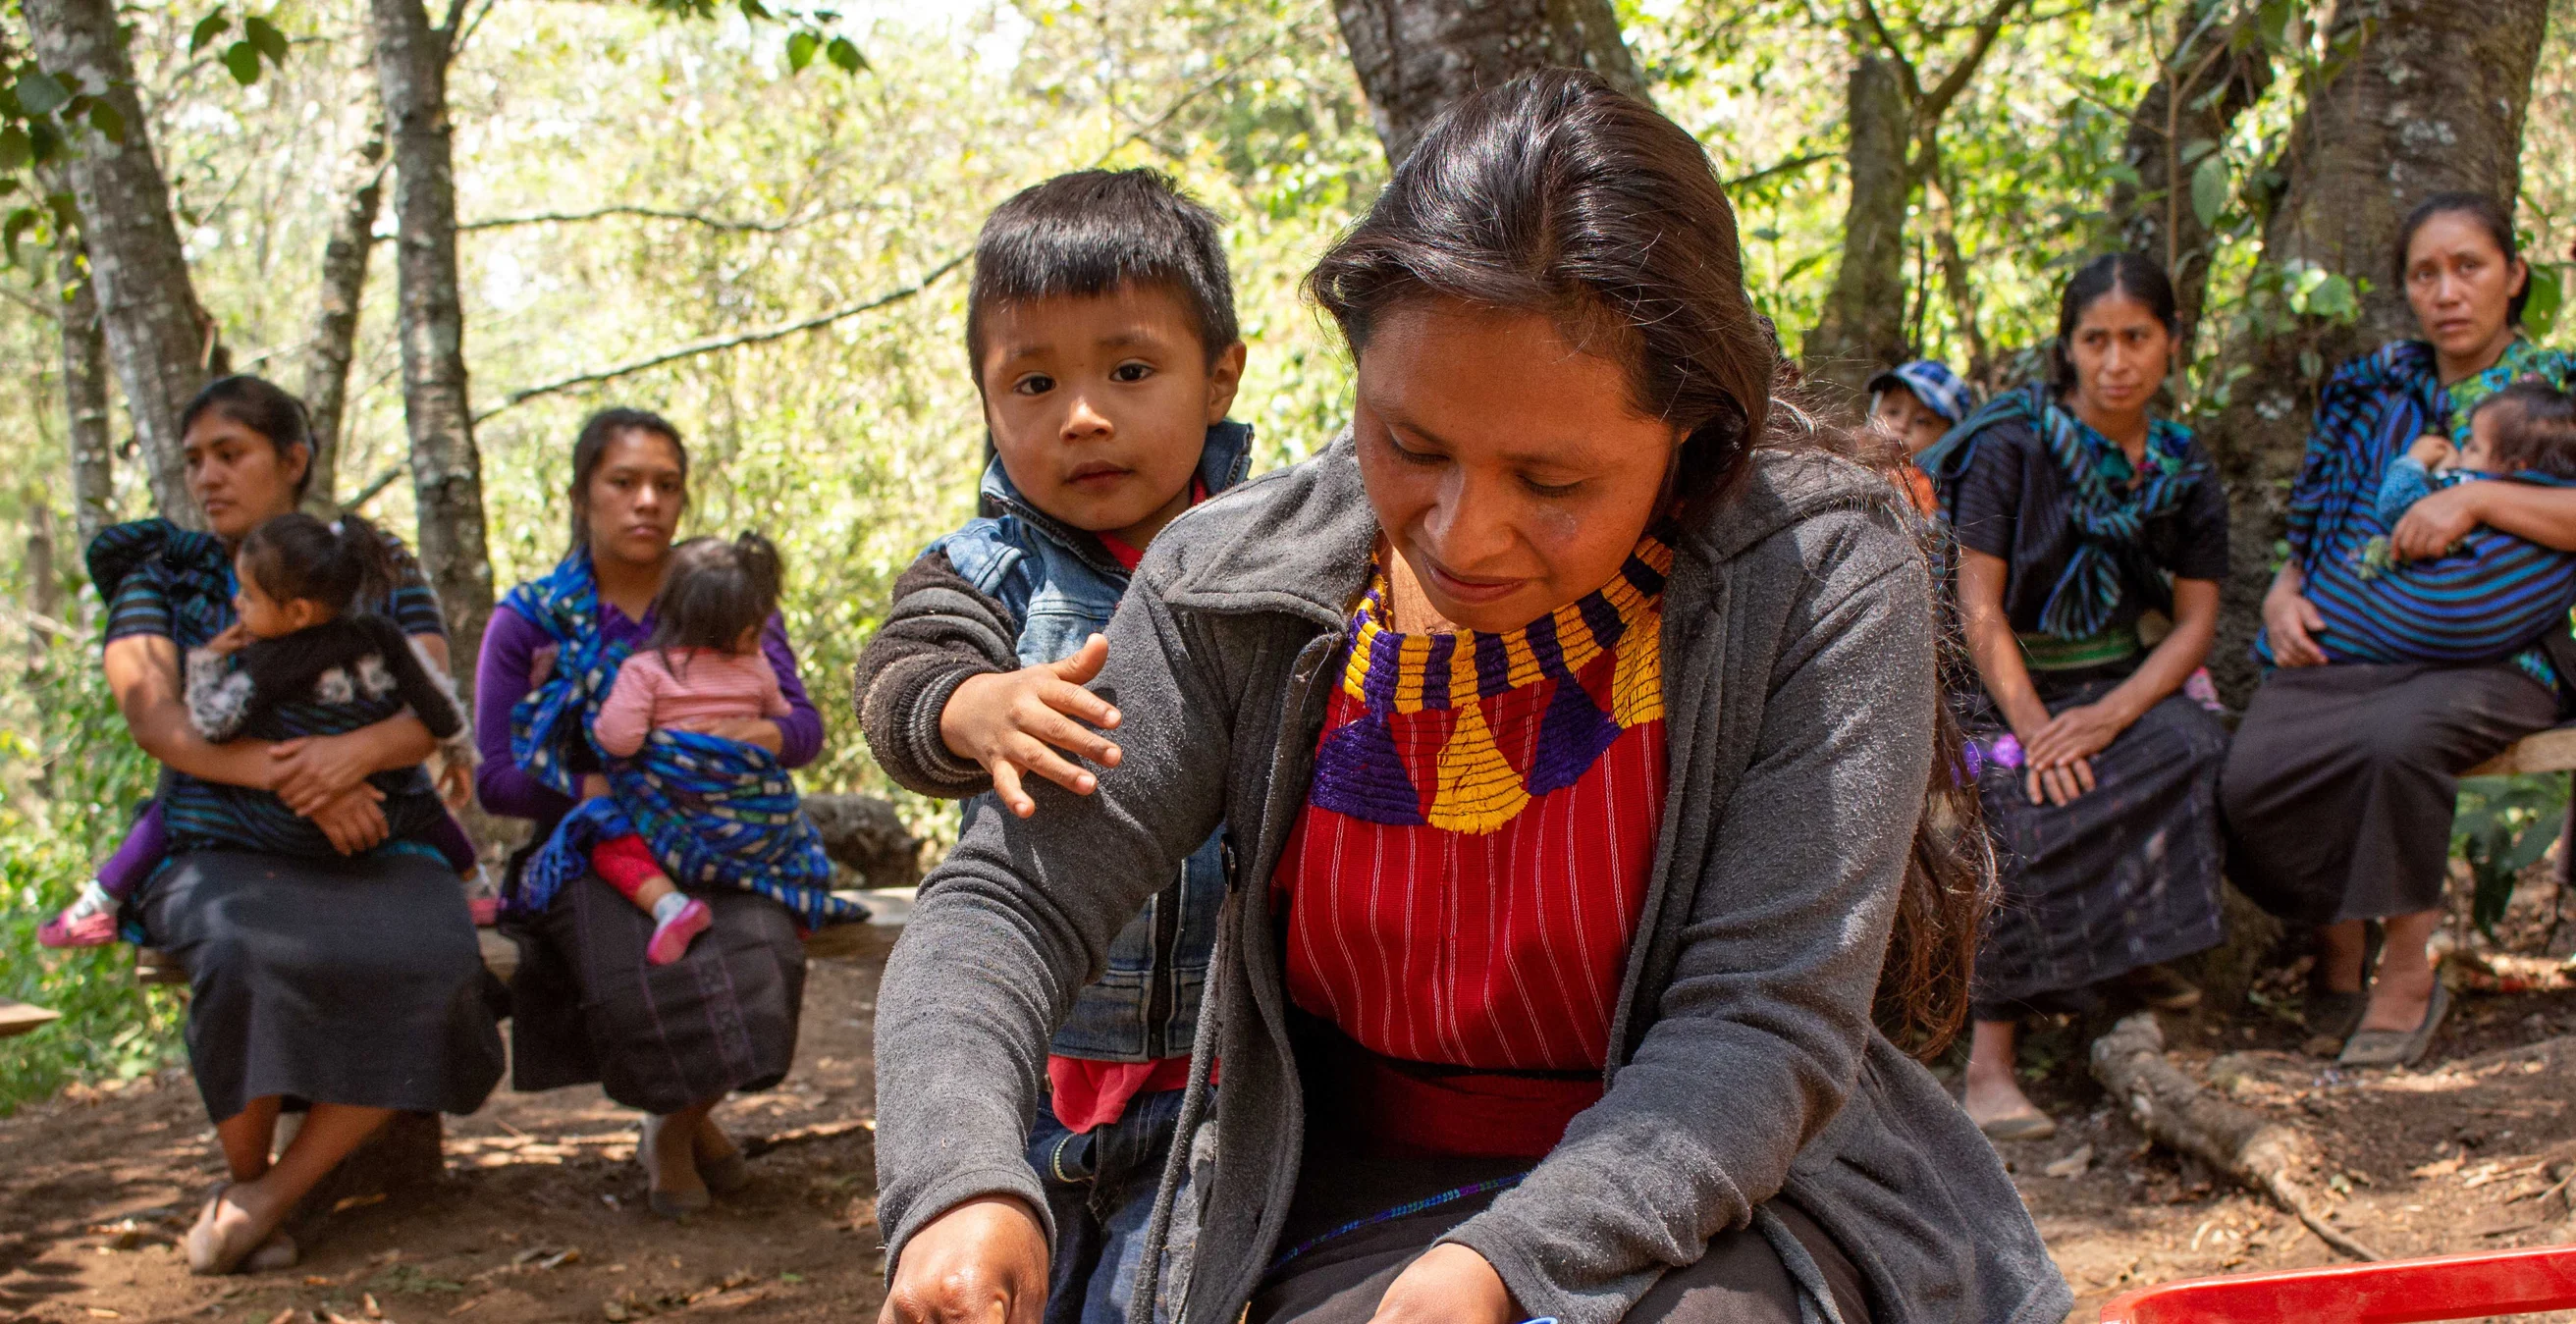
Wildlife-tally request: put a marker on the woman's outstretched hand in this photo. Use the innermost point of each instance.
(2292, 623)
(1007, 720)
(1450, 1284)
(983, 1260)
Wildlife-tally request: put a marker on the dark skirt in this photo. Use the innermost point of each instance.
(1778, 1271)
(2121, 878)
(658, 1038)
(327, 981)
(2341, 784)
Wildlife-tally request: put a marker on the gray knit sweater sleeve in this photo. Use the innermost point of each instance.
(939, 634)
(1766, 1021)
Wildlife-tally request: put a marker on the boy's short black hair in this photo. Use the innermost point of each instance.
(2535, 429)
(1088, 233)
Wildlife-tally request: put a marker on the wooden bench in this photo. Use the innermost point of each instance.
(17, 1018)
(2553, 750)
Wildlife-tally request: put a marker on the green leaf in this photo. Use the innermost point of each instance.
(844, 55)
(2548, 294)
(39, 93)
(2209, 190)
(110, 124)
(15, 150)
(263, 34)
(19, 222)
(242, 60)
(800, 50)
(754, 10)
(208, 28)
(2333, 297)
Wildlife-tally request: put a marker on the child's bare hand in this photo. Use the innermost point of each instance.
(1007, 721)
(2433, 452)
(234, 639)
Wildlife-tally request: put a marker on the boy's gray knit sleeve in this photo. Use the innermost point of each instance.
(940, 633)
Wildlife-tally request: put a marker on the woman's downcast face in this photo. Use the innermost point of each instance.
(238, 476)
(2121, 352)
(2460, 284)
(1508, 468)
(635, 498)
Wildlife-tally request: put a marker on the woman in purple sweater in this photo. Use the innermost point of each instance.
(674, 1039)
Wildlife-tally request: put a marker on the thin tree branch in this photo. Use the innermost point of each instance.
(646, 213)
(1937, 102)
(1780, 168)
(719, 343)
(375, 487)
(1887, 40)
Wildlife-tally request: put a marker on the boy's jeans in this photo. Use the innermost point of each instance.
(1100, 1187)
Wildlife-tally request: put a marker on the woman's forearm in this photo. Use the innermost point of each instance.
(1992, 647)
(2180, 653)
(2545, 515)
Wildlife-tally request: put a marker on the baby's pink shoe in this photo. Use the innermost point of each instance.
(95, 929)
(671, 937)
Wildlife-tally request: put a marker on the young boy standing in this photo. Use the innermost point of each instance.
(1102, 334)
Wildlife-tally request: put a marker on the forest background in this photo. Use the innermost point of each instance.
(634, 182)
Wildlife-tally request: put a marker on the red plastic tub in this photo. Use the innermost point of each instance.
(2445, 1287)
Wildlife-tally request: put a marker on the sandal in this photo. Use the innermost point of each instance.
(278, 1252)
(2398, 1048)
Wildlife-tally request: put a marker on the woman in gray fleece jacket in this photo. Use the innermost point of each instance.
(1574, 751)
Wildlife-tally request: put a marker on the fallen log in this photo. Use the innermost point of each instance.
(2263, 1156)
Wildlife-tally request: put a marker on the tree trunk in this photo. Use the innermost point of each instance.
(85, 397)
(446, 472)
(1863, 326)
(2212, 75)
(335, 322)
(2430, 98)
(159, 337)
(1417, 57)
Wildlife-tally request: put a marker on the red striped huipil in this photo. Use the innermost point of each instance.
(1465, 878)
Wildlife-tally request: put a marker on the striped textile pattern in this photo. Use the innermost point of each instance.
(2488, 600)
(1463, 882)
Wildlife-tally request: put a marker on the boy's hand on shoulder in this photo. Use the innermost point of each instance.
(2433, 452)
(1007, 721)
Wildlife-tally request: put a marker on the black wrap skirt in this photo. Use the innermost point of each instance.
(328, 981)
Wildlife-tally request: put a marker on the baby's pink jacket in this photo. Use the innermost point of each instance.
(699, 688)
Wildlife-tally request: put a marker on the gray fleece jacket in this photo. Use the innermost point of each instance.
(1744, 1064)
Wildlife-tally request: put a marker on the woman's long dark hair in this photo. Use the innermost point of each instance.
(1555, 195)
(2133, 274)
(2490, 216)
(262, 406)
(591, 446)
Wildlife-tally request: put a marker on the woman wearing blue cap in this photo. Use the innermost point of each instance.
(2079, 514)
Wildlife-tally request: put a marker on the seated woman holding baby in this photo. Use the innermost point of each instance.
(2410, 634)
(296, 858)
(1572, 721)
(641, 704)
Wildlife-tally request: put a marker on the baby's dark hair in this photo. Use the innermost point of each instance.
(1092, 231)
(2535, 429)
(715, 592)
(338, 564)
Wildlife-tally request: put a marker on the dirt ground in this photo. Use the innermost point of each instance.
(540, 1216)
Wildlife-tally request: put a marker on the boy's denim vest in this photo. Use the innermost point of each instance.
(1063, 585)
